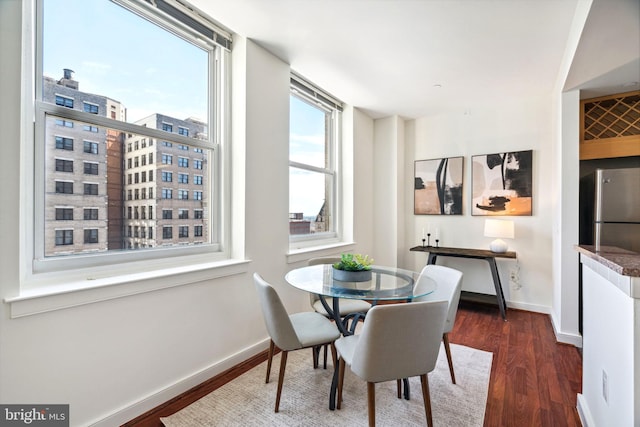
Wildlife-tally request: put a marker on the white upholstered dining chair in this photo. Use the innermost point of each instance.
(449, 285)
(291, 332)
(391, 347)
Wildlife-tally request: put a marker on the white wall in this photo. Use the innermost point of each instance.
(483, 129)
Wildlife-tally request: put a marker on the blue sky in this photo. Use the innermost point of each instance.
(153, 71)
(92, 38)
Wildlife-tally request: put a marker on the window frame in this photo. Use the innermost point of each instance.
(37, 266)
(316, 97)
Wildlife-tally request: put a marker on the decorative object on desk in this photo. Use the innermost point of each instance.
(353, 268)
(438, 186)
(502, 183)
(500, 229)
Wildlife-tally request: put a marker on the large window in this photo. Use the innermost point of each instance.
(313, 145)
(115, 94)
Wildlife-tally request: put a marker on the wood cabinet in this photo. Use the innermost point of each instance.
(610, 126)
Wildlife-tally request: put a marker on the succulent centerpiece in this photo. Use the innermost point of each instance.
(353, 268)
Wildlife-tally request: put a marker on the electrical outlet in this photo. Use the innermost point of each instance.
(605, 386)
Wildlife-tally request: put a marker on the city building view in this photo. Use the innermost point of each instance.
(110, 190)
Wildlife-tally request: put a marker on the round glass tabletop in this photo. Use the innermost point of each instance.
(387, 283)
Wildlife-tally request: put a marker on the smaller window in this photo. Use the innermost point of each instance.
(197, 179)
(64, 187)
(183, 214)
(90, 168)
(183, 178)
(167, 176)
(90, 128)
(197, 195)
(150, 212)
(198, 213)
(64, 165)
(197, 231)
(183, 131)
(167, 144)
(90, 214)
(129, 212)
(136, 178)
(91, 235)
(183, 162)
(167, 193)
(136, 194)
(64, 237)
(90, 108)
(143, 176)
(64, 143)
(150, 232)
(183, 194)
(183, 147)
(183, 231)
(90, 189)
(143, 193)
(64, 123)
(167, 127)
(63, 214)
(150, 159)
(136, 161)
(64, 101)
(197, 164)
(167, 232)
(129, 194)
(167, 159)
(90, 147)
(150, 192)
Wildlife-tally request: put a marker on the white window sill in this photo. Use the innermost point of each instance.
(79, 292)
(303, 254)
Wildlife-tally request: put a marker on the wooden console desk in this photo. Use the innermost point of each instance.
(488, 256)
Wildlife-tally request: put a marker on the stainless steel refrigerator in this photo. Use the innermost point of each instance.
(612, 216)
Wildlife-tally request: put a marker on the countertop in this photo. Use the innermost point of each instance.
(622, 261)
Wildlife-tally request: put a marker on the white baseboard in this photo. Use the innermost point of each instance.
(536, 308)
(583, 412)
(135, 409)
(563, 337)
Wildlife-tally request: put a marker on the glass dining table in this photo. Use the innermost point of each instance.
(386, 284)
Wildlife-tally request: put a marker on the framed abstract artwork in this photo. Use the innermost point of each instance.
(502, 183)
(438, 186)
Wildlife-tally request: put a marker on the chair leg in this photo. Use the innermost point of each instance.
(371, 398)
(399, 388)
(315, 353)
(283, 365)
(341, 368)
(334, 355)
(269, 359)
(325, 356)
(424, 380)
(445, 339)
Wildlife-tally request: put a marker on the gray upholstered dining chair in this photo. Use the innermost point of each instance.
(449, 282)
(291, 332)
(391, 347)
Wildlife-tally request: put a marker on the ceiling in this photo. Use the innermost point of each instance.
(412, 58)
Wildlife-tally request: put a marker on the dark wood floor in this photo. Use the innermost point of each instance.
(534, 380)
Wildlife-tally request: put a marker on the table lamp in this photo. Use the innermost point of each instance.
(500, 229)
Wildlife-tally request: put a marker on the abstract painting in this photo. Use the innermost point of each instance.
(438, 186)
(502, 183)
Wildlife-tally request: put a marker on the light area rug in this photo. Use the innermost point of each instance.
(248, 401)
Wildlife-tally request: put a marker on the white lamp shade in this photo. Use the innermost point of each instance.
(501, 229)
